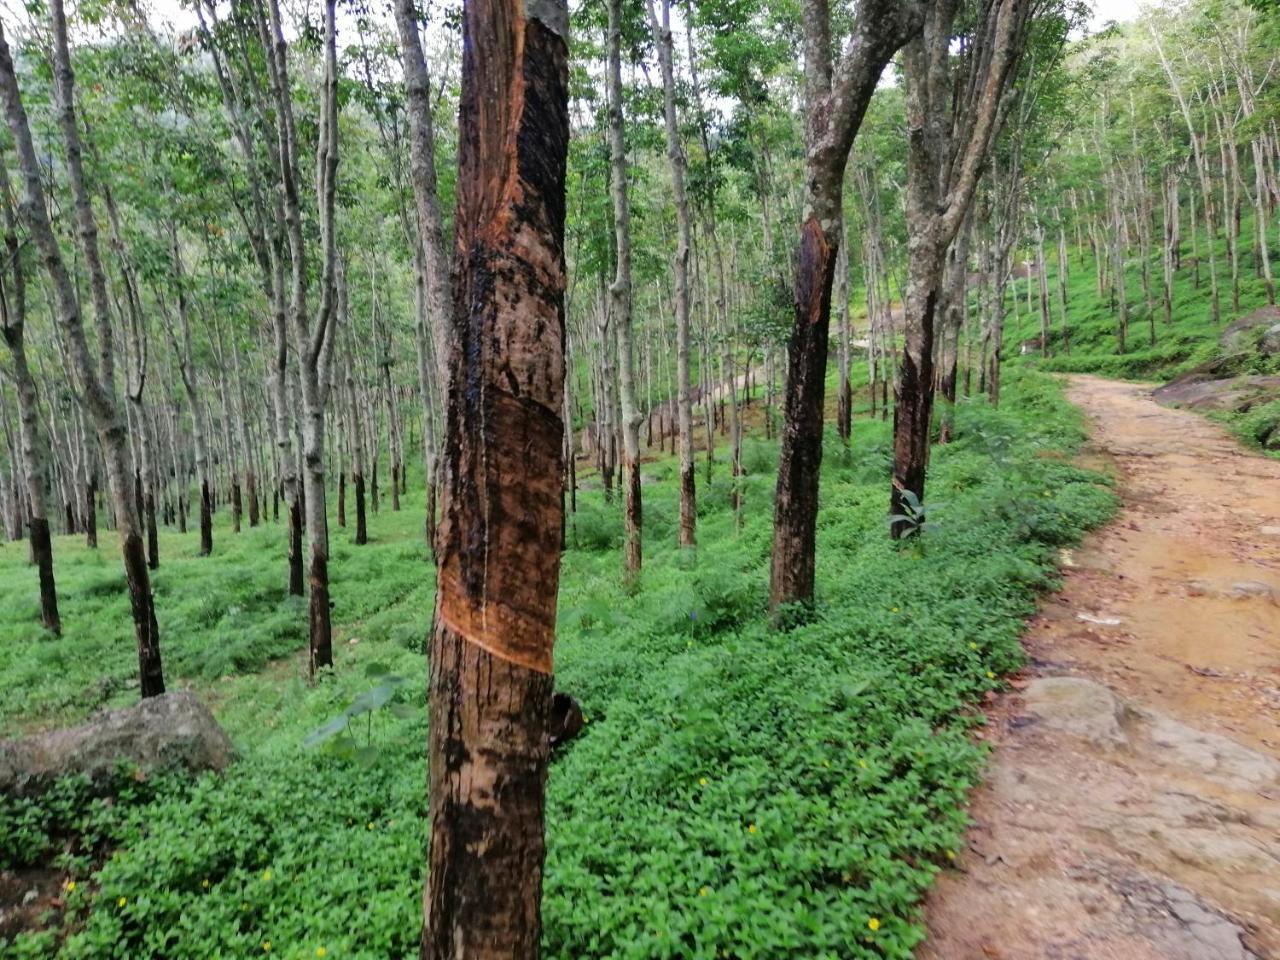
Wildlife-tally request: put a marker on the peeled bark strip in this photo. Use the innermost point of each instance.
(500, 536)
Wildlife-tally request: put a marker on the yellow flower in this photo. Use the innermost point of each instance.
(71, 886)
(205, 884)
(862, 764)
(951, 854)
(751, 828)
(704, 891)
(370, 825)
(266, 874)
(874, 924)
(990, 675)
(122, 901)
(972, 645)
(266, 946)
(321, 952)
(893, 609)
(702, 781)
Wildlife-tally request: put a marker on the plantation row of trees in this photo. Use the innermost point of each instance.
(478, 245)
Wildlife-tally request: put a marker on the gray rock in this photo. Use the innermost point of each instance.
(1078, 707)
(1234, 589)
(173, 730)
(1270, 342)
(1195, 391)
(1241, 336)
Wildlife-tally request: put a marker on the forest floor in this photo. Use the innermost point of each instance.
(1131, 809)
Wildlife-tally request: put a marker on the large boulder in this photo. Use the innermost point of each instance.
(1201, 390)
(1257, 330)
(172, 730)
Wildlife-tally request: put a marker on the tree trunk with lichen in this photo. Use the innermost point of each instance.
(500, 535)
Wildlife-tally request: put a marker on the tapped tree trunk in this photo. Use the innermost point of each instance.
(836, 101)
(500, 537)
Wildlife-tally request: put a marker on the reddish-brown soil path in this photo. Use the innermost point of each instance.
(1131, 809)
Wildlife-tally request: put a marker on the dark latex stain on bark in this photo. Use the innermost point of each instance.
(295, 549)
(42, 554)
(795, 508)
(144, 616)
(321, 633)
(362, 527)
(911, 416)
(206, 520)
(499, 535)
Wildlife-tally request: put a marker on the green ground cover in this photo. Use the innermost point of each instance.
(737, 791)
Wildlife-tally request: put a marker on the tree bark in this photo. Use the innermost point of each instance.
(500, 536)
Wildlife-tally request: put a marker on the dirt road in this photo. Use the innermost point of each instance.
(1132, 804)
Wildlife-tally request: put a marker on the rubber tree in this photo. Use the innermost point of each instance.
(836, 95)
(953, 115)
(661, 30)
(13, 316)
(313, 339)
(96, 377)
(620, 301)
(431, 259)
(500, 535)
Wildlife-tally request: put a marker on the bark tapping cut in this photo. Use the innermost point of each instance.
(796, 507)
(499, 538)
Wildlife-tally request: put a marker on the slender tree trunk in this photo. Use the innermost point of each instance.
(620, 303)
(684, 243)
